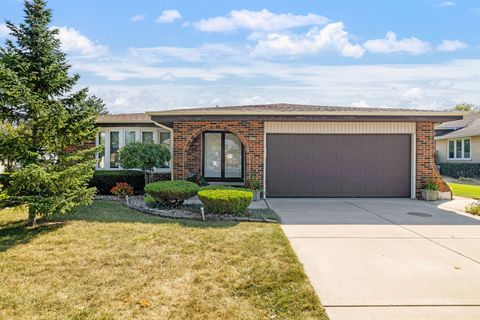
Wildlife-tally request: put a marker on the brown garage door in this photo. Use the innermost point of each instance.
(338, 165)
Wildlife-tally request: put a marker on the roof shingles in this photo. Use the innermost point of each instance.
(285, 107)
(468, 127)
(124, 118)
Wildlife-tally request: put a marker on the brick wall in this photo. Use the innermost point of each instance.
(425, 154)
(187, 145)
(187, 149)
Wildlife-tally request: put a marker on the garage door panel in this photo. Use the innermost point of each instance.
(338, 165)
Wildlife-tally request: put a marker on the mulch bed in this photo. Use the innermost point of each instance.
(183, 212)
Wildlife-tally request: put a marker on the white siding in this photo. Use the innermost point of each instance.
(341, 127)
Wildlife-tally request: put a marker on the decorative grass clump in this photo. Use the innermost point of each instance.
(473, 208)
(171, 193)
(225, 201)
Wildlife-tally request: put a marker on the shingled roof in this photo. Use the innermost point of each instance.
(124, 118)
(467, 127)
(285, 108)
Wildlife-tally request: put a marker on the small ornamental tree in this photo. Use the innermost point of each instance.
(43, 115)
(145, 157)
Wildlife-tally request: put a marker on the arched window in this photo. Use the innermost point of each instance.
(223, 156)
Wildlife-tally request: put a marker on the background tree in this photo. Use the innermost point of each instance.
(465, 107)
(37, 95)
(144, 156)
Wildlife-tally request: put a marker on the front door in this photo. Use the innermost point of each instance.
(222, 157)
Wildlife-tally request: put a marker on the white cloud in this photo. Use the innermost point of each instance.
(4, 31)
(332, 37)
(153, 85)
(137, 18)
(76, 44)
(205, 52)
(169, 16)
(413, 94)
(360, 104)
(262, 20)
(390, 44)
(445, 4)
(451, 45)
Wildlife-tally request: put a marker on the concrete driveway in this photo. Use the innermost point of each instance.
(386, 258)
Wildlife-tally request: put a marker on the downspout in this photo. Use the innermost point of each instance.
(171, 145)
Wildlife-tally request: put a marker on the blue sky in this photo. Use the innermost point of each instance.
(153, 55)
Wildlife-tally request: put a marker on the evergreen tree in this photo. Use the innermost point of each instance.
(50, 120)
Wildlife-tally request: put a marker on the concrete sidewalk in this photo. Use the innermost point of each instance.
(386, 258)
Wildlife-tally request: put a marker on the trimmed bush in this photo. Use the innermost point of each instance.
(223, 187)
(105, 180)
(225, 201)
(457, 170)
(171, 193)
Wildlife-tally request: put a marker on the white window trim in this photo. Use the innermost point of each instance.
(455, 149)
(138, 137)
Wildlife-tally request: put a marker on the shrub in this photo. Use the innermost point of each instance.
(226, 201)
(144, 156)
(105, 180)
(473, 208)
(431, 185)
(122, 189)
(457, 170)
(253, 183)
(171, 193)
(223, 187)
(149, 200)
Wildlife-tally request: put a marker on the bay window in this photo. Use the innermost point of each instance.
(459, 149)
(111, 140)
(101, 154)
(147, 136)
(130, 136)
(114, 147)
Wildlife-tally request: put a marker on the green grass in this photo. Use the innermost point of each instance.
(465, 190)
(106, 261)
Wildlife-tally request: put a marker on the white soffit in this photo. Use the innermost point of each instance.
(341, 127)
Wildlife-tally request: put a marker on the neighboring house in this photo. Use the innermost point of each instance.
(459, 141)
(293, 150)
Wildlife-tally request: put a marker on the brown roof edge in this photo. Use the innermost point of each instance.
(168, 120)
(301, 110)
(124, 118)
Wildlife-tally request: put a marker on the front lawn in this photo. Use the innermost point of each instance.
(109, 262)
(465, 190)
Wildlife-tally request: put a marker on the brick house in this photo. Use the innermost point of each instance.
(293, 150)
